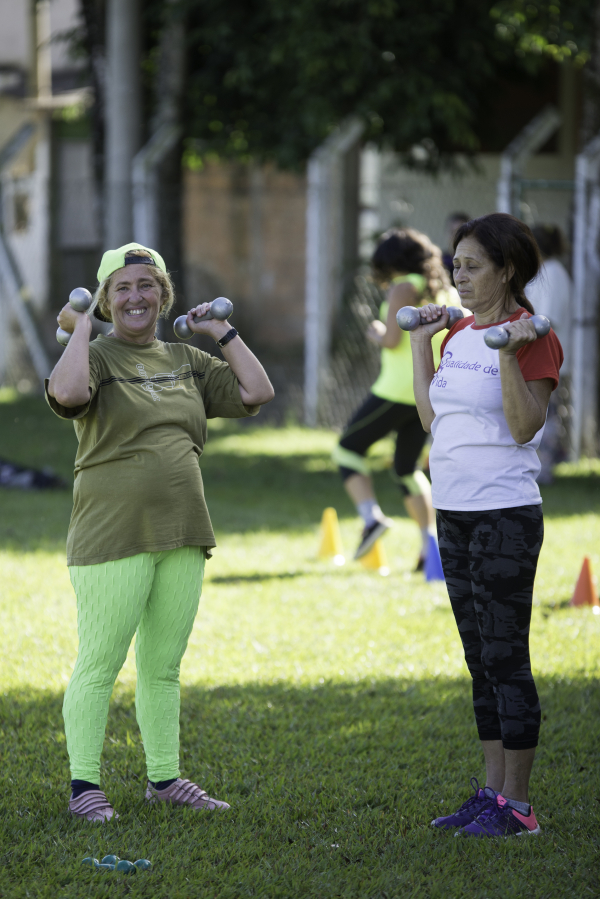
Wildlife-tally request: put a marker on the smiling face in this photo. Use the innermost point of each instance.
(135, 299)
(482, 286)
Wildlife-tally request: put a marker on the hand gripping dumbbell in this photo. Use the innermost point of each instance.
(81, 300)
(220, 309)
(409, 317)
(498, 336)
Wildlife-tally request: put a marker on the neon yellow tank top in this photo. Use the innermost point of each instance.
(395, 381)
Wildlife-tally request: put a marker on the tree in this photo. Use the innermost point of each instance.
(271, 79)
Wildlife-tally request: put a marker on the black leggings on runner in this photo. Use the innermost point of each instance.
(373, 421)
(489, 561)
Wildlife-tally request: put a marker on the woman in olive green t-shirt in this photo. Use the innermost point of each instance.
(410, 266)
(140, 530)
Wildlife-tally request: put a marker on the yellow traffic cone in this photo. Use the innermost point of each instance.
(376, 558)
(331, 539)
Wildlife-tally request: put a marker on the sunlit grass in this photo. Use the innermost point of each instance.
(330, 706)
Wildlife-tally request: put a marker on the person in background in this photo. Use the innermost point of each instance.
(551, 293)
(409, 266)
(453, 223)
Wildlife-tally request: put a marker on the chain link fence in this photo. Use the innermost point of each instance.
(354, 361)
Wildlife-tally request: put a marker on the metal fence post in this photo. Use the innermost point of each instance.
(324, 257)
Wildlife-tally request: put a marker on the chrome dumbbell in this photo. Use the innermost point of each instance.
(497, 336)
(81, 300)
(220, 309)
(409, 317)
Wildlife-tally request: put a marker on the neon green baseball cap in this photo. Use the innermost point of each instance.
(113, 260)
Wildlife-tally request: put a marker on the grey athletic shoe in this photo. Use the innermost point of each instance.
(92, 806)
(184, 792)
(370, 534)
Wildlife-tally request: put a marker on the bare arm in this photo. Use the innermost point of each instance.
(525, 403)
(69, 382)
(255, 387)
(389, 335)
(434, 319)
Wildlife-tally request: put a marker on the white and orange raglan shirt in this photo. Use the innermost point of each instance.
(475, 463)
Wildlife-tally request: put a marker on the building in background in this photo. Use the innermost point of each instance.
(290, 249)
(247, 232)
(49, 215)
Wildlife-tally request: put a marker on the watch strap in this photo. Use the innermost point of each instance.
(227, 337)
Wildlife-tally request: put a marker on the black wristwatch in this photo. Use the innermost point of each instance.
(227, 337)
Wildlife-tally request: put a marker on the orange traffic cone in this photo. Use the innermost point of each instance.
(376, 558)
(585, 590)
(331, 539)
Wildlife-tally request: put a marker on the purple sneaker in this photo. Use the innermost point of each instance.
(500, 820)
(468, 810)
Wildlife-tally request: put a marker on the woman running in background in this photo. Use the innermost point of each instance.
(410, 266)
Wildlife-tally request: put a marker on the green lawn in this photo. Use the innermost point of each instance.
(330, 707)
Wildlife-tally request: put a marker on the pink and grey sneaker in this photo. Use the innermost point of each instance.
(468, 811)
(184, 792)
(92, 806)
(501, 820)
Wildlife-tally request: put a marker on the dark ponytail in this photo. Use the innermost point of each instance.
(508, 242)
(410, 252)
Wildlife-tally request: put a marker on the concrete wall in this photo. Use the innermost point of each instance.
(243, 237)
(16, 33)
(394, 195)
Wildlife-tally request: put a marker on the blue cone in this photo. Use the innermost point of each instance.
(433, 563)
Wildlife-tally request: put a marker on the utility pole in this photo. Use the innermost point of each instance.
(157, 174)
(123, 117)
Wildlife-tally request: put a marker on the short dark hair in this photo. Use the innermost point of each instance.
(410, 251)
(458, 217)
(508, 242)
(549, 239)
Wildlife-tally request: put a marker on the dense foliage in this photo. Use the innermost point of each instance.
(272, 78)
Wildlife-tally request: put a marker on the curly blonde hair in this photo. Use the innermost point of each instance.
(164, 279)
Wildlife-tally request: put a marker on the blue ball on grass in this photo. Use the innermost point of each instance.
(143, 864)
(126, 867)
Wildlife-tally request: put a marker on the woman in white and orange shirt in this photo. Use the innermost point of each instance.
(486, 410)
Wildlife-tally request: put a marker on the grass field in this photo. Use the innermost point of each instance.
(330, 707)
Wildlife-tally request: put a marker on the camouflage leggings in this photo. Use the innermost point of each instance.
(489, 560)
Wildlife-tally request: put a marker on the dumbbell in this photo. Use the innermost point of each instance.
(220, 309)
(409, 317)
(81, 300)
(498, 336)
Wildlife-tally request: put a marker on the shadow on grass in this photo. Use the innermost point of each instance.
(252, 578)
(246, 491)
(372, 737)
(332, 790)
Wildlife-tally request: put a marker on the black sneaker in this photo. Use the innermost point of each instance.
(370, 534)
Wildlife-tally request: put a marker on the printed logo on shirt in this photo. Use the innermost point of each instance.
(172, 380)
(448, 361)
(154, 384)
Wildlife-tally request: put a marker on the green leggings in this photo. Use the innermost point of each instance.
(155, 596)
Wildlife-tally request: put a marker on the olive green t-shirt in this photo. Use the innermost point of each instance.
(138, 486)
